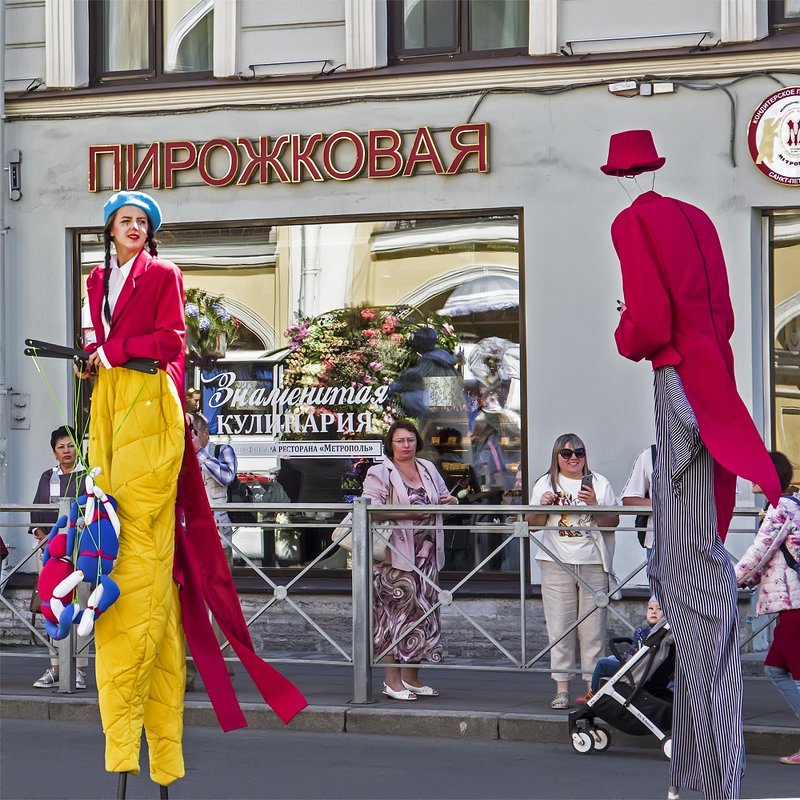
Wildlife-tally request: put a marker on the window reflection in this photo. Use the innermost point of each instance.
(786, 335)
(342, 328)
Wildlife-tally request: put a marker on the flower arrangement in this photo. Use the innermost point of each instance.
(210, 329)
(362, 346)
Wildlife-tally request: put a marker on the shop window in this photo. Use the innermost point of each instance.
(138, 39)
(334, 330)
(785, 257)
(435, 29)
(784, 16)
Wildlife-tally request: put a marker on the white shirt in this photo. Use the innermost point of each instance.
(638, 485)
(571, 539)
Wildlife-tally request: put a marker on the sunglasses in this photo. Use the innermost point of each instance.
(579, 452)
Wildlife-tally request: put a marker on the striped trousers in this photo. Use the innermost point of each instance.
(692, 577)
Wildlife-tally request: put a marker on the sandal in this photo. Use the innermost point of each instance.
(421, 691)
(561, 700)
(403, 694)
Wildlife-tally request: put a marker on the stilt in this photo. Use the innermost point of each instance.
(122, 785)
(163, 792)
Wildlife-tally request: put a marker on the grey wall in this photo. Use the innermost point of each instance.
(545, 158)
(279, 31)
(25, 51)
(619, 19)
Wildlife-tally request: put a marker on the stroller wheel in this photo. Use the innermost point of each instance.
(602, 738)
(582, 742)
(667, 747)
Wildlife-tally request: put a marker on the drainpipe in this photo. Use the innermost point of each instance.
(4, 389)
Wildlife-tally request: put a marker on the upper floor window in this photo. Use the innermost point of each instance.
(784, 16)
(150, 38)
(457, 28)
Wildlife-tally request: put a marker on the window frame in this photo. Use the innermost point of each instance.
(461, 52)
(494, 581)
(778, 21)
(155, 33)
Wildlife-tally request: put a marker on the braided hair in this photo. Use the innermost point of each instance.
(152, 248)
(152, 245)
(107, 270)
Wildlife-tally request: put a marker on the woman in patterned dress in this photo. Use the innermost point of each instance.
(405, 582)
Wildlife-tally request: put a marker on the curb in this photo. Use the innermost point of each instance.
(447, 724)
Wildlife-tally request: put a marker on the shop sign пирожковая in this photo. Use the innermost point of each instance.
(292, 158)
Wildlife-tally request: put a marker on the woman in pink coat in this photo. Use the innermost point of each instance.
(765, 563)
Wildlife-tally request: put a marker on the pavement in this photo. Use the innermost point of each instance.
(473, 704)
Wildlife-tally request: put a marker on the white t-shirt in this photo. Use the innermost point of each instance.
(572, 542)
(638, 485)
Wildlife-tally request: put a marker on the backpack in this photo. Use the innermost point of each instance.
(238, 492)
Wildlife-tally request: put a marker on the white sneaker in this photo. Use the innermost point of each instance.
(80, 679)
(48, 681)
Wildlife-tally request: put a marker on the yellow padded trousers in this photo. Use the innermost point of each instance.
(136, 436)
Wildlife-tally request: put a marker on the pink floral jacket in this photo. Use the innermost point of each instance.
(764, 561)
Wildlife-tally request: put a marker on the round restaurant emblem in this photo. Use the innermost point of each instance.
(774, 136)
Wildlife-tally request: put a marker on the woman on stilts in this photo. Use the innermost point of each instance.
(137, 436)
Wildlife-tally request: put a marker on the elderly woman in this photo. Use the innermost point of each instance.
(585, 550)
(402, 596)
(71, 484)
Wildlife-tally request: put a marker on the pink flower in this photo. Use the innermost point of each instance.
(367, 313)
(397, 338)
(370, 332)
(390, 324)
(376, 366)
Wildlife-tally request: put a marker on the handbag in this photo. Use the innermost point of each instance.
(381, 531)
(35, 603)
(343, 536)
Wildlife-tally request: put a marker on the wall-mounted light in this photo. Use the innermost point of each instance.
(13, 158)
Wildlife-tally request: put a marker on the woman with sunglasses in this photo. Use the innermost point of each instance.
(405, 580)
(588, 552)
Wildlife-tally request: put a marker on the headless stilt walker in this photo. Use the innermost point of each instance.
(171, 569)
(677, 314)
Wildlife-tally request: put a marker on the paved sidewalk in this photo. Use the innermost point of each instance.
(473, 704)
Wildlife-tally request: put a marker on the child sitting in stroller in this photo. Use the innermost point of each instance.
(607, 666)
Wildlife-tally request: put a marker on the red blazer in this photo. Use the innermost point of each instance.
(148, 322)
(678, 312)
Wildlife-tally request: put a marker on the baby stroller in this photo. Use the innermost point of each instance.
(635, 700)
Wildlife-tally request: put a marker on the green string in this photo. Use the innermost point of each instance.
(83, 461)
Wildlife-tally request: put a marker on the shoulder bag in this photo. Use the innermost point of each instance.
(381, 531)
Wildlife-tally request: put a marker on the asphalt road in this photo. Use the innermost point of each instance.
(49, 759)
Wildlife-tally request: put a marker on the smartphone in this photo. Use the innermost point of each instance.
(586, 481)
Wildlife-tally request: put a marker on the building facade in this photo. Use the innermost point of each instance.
(373, 170)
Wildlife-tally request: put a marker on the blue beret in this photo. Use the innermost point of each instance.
(138, 199)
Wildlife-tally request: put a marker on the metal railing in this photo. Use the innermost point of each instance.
(358, 653)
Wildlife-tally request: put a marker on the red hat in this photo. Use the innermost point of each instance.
(630, 153)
